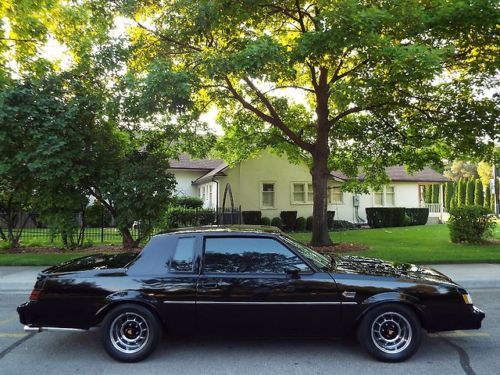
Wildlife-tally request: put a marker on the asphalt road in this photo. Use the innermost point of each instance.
(458, 352)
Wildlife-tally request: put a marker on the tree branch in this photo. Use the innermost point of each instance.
(168, 39)
(275, 121)
(19, 40)
(336, 76)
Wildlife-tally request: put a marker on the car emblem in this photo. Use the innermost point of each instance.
(347, 294)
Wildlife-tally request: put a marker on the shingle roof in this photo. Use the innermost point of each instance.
(218, 171)
(185, 162)
(399, 173)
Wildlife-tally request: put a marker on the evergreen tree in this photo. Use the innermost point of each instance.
(448, 194)
(460, 193)
(478, 193)
(453, 202)
(487, 196)
(469, 192)
(428, 193)
(435, 193)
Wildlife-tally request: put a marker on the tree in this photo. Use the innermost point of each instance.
(485, 172)
(428, 194)
(458, 169)
(469, 192)
(487, 197)
(478, 193)
(352, 64)
(448, 194)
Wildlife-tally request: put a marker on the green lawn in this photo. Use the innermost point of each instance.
(419, 244)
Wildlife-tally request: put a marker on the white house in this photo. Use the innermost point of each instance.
(271, 184)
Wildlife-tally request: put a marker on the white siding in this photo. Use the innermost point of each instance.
(184, 180)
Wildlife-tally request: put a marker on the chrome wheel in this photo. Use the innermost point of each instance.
(391, 332)
(129, 332)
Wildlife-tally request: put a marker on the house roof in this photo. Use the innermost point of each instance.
(185, 162)
(399, 173)
(217, 171)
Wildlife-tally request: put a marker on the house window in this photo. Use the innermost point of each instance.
(335, 195)
(302, 192)
(267, 195)
(384, 197)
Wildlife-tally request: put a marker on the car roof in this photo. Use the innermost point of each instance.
(255, 229)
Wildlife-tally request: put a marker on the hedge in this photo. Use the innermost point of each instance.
(277, 222)
(470, 224)
(300, 224)
(188, 202)
(265, 221)
(289, 219)
(309, 223)
(417, 216)
(189, 217)
(330, 215)
(251, 217)
(382, 217)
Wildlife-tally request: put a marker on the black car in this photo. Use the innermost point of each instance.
(245, 280)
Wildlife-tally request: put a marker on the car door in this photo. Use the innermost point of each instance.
(243, 288)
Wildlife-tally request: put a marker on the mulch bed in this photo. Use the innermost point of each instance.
(57, 250)
(341, 247)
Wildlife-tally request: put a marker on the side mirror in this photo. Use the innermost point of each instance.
(292, 272)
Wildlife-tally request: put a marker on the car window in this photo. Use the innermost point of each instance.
(182, 260)
(247, 254)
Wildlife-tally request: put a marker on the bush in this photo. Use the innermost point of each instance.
(383, 217)
(300, 224)
(188, 202)
(289, 219)
(470, 224)
(330, 215)
(265, 221)
(417, 216)
(188, 217)
(309, 223)
(342, 225)
(251, 217)
(96, 216)
(276, 222)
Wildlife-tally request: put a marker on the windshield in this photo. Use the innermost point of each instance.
(320, 261)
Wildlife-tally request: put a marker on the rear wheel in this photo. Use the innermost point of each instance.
(130, 333)
(390, 333)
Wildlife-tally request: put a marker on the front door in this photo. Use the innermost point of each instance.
(244, 288)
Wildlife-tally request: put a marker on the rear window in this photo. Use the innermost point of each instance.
(182, 260)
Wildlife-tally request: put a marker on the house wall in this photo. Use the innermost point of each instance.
(247, 177)
(184, 180)
(208, 193)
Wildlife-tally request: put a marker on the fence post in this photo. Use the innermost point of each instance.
(102, 225)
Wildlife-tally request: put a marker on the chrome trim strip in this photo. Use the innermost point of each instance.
(259, 303)
(41, 329)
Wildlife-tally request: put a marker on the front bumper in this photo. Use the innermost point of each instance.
(463, 318)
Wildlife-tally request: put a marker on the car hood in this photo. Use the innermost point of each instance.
(378, 267)
(92, 262)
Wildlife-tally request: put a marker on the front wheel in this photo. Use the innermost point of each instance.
(390, 333)
(130, 333)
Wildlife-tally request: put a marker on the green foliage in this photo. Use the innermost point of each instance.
(309, 223)
(487, 197)
(453, 202)
(97, 215)
(382, 217)
(188, 217)
(289, 219)
(300, 224)
(461, 192)
(188, 202)
(428, 194)
(417, 216)
(449, 190)
(470, 224)
(469, 192)
(435, 193)
(330, 216)
(277, 222)
(341, 225)
(478, 193)
(265, 221)
(251, 217)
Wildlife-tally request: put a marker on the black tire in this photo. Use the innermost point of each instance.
(130, 332)
(390, 332)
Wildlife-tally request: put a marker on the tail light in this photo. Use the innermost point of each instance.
(35, 294)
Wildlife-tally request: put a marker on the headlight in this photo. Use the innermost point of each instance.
(467, 298)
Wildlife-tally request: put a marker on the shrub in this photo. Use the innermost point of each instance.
(188, 217)
(300, 224)
(265, 221)
(188, 202)
(289, 219)
(276, 222)
(417, 216)
(309, 223)
(330, 215)
(340, 225)
(383, 217)
(470, 224)
(251, 217)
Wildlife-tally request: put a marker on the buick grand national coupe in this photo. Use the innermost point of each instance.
(240, 280)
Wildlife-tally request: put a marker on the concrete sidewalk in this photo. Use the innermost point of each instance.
(474, 276)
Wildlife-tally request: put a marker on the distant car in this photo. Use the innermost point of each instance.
(245, 280)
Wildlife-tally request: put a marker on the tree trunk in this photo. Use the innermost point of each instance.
(320, 175)
(128, 241)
